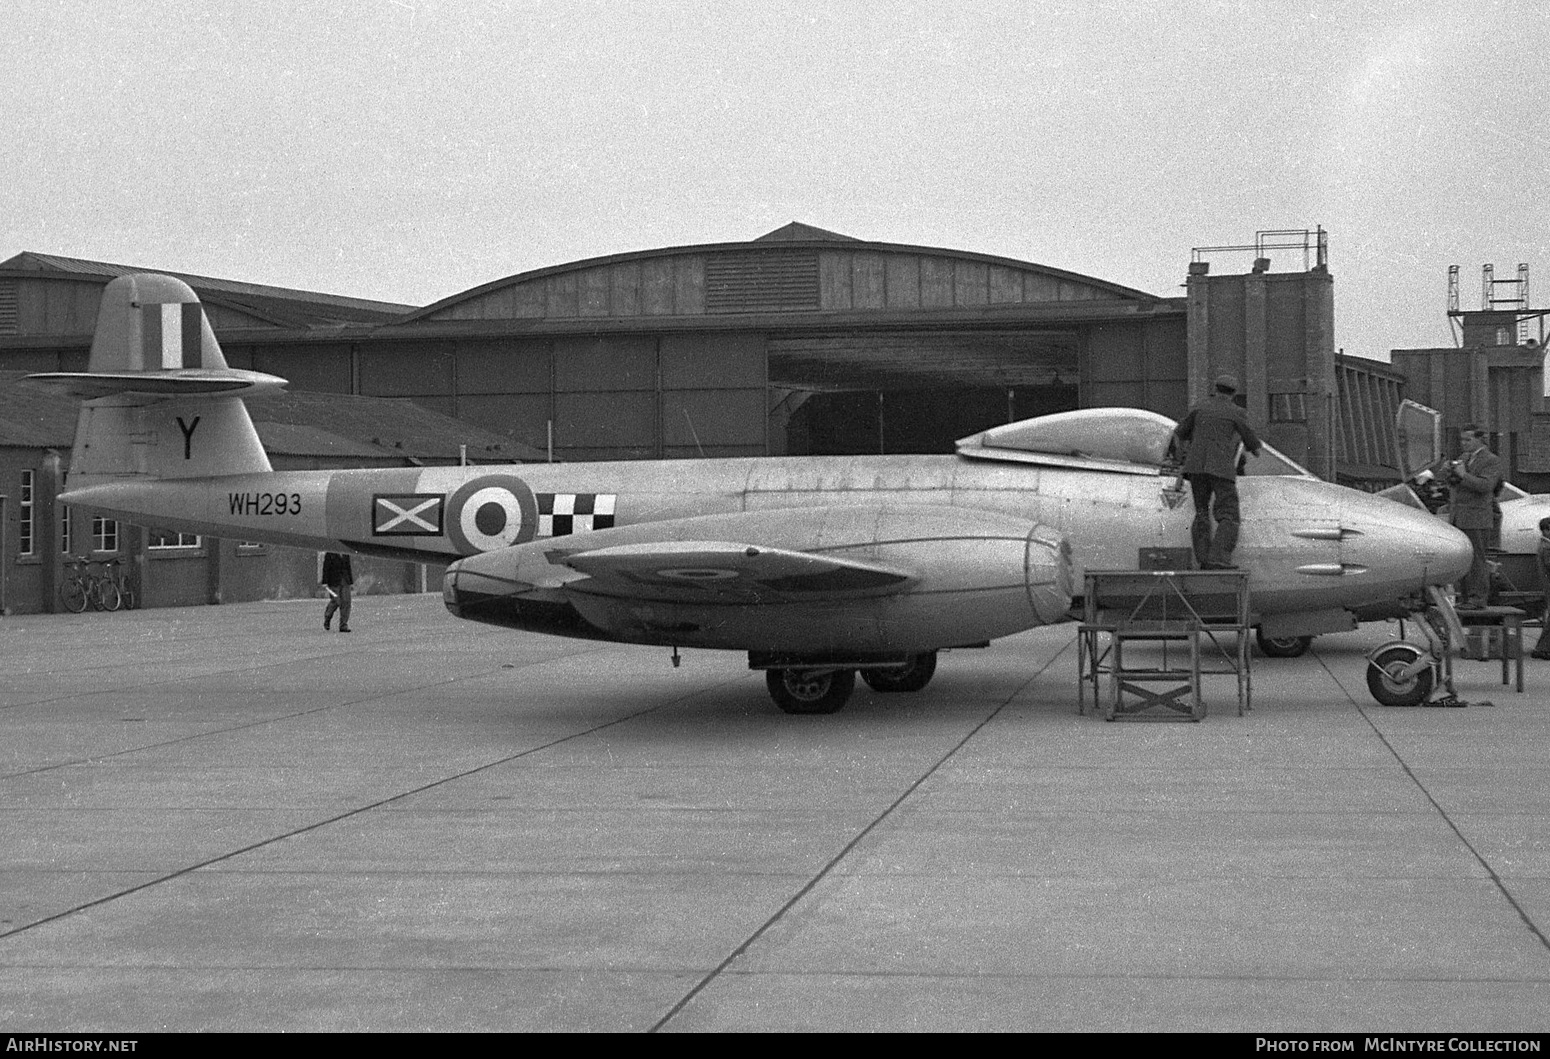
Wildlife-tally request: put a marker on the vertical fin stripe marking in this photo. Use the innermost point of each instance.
(171, 353)
(193, 336)
(150, 339)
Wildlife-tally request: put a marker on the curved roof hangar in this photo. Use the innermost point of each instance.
(837, 312)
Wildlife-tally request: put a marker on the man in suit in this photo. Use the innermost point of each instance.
(1213, 430)
(1473, 480)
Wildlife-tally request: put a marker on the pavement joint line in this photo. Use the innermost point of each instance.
(356, 811)
(127, 686)
(251, 724)
(686, 972)
(1146, 976)
(1490, 870)
(253, 668)
(830, 866)
(223, 731)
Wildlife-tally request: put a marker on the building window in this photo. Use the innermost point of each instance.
(26, 513)
(64, 529)
(104, 534)
(165, 539)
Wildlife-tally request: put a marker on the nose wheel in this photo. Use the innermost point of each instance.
(1400, 675)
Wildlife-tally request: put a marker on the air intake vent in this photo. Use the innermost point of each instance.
(766, 281)
(7, 307)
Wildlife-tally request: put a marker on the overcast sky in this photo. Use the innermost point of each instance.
(406, 150)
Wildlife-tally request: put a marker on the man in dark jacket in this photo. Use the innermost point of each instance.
(337, 578)
(1473, 480)
(1213, 431)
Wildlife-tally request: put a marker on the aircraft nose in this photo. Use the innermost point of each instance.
(1407, 546)
(1457, 557)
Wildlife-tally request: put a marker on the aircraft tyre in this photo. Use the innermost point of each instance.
(1388, 687)
(810, 690)
(1281, 646)
(911, 676)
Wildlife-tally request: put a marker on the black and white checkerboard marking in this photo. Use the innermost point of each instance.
(561, 514)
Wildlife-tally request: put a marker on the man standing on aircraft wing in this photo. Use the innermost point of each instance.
(1213, 430)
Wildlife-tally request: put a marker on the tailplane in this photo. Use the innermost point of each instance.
(160, 400)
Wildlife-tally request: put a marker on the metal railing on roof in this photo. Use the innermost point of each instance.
(1313, 242)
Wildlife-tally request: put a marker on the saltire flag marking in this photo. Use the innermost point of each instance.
(561, 514)
(171, 335)
(406, 514)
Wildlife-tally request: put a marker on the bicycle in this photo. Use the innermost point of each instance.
(84, 587)
(117, 592)
(77, 590)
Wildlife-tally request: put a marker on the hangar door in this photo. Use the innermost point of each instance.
(615, 396)
(914, 391)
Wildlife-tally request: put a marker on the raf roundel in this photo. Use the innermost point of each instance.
(495, 511)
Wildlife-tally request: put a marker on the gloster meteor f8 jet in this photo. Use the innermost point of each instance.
(818, 567)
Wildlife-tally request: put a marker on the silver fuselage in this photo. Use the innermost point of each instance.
(1307, 545)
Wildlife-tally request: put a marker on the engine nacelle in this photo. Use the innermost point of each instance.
(960, 577)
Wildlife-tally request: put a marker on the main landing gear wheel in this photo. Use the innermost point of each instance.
(1389, 686)
(1282, 646)
(911, 676)
(810, 690)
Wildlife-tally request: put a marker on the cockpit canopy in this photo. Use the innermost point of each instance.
(1125, 440)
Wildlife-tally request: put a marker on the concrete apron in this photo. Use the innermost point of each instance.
(226, 818)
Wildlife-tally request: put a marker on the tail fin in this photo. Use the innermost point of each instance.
(160, 401)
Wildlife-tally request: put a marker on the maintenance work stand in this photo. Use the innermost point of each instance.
(1199, 619)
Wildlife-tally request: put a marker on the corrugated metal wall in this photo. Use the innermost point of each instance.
(1367, 450)
(1137, 365)
(769, 279)
(54, 304)
(607, 397)
(321, 367)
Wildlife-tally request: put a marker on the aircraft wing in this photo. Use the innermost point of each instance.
(725, 571)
